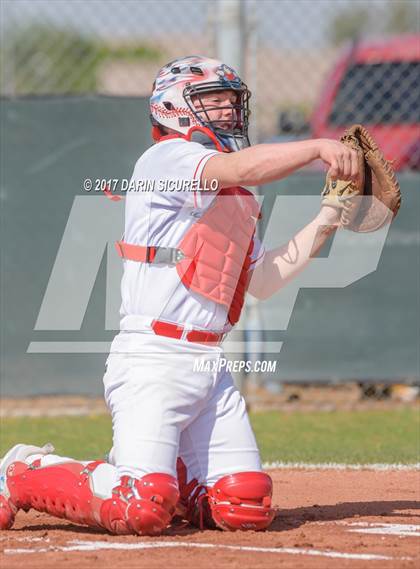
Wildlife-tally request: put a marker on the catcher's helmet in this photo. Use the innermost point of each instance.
(171, 103)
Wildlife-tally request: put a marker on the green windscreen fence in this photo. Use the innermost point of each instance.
(49, 146)
(368, 329)
(60, 275)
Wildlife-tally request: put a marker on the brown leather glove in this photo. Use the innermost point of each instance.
(373, 199)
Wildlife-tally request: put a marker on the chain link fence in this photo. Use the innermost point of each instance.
(311, 65)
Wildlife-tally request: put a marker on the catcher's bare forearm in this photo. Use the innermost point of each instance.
(262, 163)
(283, 264)
(265, 163)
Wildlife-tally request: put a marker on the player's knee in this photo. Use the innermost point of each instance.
(144, 506)
(242, 501)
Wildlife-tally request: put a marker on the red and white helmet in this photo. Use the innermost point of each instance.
(181, 80)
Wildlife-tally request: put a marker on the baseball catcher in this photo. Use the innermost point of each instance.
(182, 440)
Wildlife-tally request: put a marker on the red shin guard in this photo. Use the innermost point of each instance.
(65, 490)
(61, 490)
(143, 507)
(242, 501)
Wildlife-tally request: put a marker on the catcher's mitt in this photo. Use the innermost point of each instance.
(372, 200)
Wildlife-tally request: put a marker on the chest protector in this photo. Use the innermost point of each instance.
(217, 248)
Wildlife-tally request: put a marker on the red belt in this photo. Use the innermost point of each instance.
(175, 331)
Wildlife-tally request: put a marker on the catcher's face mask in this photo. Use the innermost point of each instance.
(176, 102)
(231, 108)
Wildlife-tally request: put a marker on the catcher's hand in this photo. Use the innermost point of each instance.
(371, 200)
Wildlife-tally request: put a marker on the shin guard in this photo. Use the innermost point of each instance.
(144, 506)
(66, 490)
(63, 490)
(242, 501)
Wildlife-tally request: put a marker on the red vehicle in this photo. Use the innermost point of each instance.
(376, 84)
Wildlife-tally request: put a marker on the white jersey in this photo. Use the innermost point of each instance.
(161, 218)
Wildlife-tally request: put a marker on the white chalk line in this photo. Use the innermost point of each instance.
(339, 466)
(101, 545)
(335, 466)
(31, 539)
(385, 528)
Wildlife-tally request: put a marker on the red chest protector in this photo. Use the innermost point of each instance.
(217, 248)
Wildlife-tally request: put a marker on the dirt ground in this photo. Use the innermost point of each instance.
(326, 519)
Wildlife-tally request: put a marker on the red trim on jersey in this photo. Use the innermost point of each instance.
(195, 174)
(198, 165)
